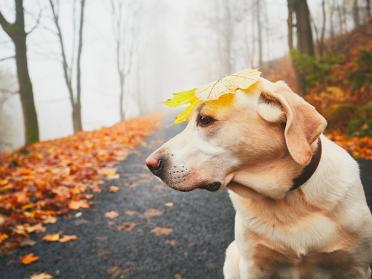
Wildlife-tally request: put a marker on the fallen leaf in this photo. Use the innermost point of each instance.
(112, 214)
(29, 258)
(161, 231)
(50, 220)
(36, 228)
(171, 242)
(169, 204)
(52, 237)
(27, 242)
(3, 237)
(126, 226)
(113, 189)
(74, 205)
(152, 212)
(130, 212)
(67, 238)
(177, 276)
(41, 276)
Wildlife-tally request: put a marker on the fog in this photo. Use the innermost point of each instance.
(175, 49)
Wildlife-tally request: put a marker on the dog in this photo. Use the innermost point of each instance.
(301, 210)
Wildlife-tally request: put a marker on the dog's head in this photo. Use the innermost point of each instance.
(244, 129)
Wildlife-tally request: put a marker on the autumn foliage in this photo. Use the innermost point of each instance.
(45, 180)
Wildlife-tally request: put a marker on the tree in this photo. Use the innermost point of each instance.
(259, 31)
(18, 35)
(290, 24)
(305, 42)
(356, 16)
(68, 65)
(123, 14)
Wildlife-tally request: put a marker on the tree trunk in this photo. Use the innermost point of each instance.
(322, 34)
(356, 17)
(26, 91)
(259, 32)
(290, 25)
(16, 32)
(305, 42)
(78, 125)
(368, 8)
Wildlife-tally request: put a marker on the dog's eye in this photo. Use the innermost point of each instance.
(204, 120)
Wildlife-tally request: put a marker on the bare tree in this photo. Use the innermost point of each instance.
(356, 16)
(259, 31)
(18, 35)
(305, 42)
(290, 24)
(69, 65)
(368, 8)
(123, 15)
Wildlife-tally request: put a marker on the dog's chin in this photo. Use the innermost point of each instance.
(211, 187)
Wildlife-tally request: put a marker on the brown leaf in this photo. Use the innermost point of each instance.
(113, 189)
(67, 238)
(41, 276)
(126, 226)
(161, 231)
(29, 258)
(152, 212)
(112, 214)
(27, 242)
(177, 276)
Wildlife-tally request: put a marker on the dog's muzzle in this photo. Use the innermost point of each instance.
(212, 187)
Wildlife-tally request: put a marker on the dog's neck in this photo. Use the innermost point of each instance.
(274, 179)
(321, 188)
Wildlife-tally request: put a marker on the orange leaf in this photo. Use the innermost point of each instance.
(161, 231)
(52, 237)
(113, 189)
(29, 258)
(74, 205)
(67, 238)
(112, 214)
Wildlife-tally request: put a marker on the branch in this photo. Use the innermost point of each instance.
(7, 91)
(6, 25)
(7, 58)
(36, 23)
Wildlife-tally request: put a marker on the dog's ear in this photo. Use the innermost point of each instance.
(303, 124)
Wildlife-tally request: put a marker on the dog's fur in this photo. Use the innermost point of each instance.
(258, 144)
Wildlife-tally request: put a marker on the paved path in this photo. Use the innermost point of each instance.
(195, 229)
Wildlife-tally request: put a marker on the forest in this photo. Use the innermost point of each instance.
(82, 84)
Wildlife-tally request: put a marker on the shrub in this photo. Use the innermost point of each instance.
(313, 70)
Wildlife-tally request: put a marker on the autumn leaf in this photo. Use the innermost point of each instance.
(181, 98)
(36, 228)
(168, 204)
(52, 237)
(130, 212)
(171, 242)
(152, 212)
(67, 238)
(3, 237)
(158, 231)
(112, 214)
(126, 226)
(113, 189)
(74, 205)
(229, 84)
(28, 259)
(41, 276)
(45, 180)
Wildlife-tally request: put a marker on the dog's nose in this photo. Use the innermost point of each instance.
(155, 165)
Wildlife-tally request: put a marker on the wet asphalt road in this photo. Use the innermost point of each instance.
(195, 228)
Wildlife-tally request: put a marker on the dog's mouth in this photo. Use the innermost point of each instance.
(211, 187)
